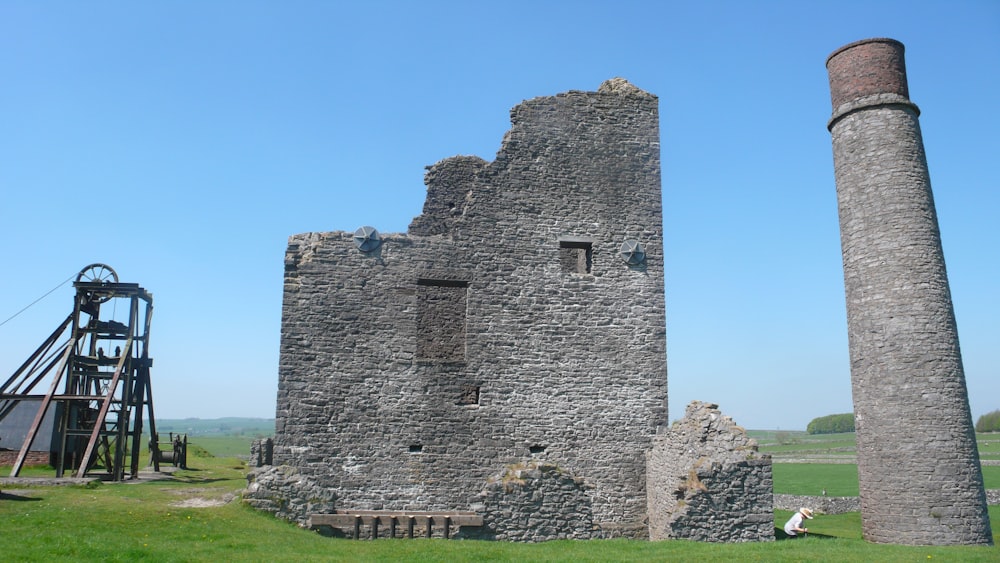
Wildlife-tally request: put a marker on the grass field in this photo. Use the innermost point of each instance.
(225, 446)
(989, 446)
(195, 516)
(839, 479)
(231, 426)
(790, 446)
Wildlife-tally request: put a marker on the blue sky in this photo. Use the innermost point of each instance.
(183, 142)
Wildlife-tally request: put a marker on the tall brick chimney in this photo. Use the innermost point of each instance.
(918, 464)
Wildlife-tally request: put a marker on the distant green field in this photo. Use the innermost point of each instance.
(846, 447)
(232, 426)
(222, 437)
(794, 444)
(839, 479)
(771, 436)
(989, 446)
(224, 446)
(797, 439)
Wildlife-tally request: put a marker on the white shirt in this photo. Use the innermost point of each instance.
(794, 522)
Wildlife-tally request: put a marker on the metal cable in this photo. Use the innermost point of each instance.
(37, 300)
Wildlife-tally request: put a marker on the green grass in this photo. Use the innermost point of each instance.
(224, 446)
(793, 444)
(831, 447)
(32, 471)
(800, 440)
(991, 476)
(231, 426)
(141, 522)
(137, 522)
(201, 446)
(989, 446)
(839, 479)
(844, 526)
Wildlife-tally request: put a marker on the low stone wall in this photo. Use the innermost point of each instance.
(822, 505)
(533, 502)
(840, 505)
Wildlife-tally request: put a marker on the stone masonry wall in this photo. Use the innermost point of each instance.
(261, 452)
(537, 502)
(286, 493)
(707, 482)
(918, 465)
(412, 373)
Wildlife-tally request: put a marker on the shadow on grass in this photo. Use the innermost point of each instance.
(780, 535)
(6, 496)
(194, 479)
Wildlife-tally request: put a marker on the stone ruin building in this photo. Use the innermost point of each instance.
(725, 488)
(918, 463)
(499, 371)
(501, 366)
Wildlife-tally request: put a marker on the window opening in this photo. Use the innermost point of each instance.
(576, 257)
(469, 396)
(441, 316)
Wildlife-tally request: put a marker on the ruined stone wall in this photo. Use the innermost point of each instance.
(503, 328)
(819, 504)
(537, 502)
(918, 466)
(261, 452)
(283, 491)
(707, 481)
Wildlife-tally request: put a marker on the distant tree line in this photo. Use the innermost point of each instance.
(989, 422)
(832, 424)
